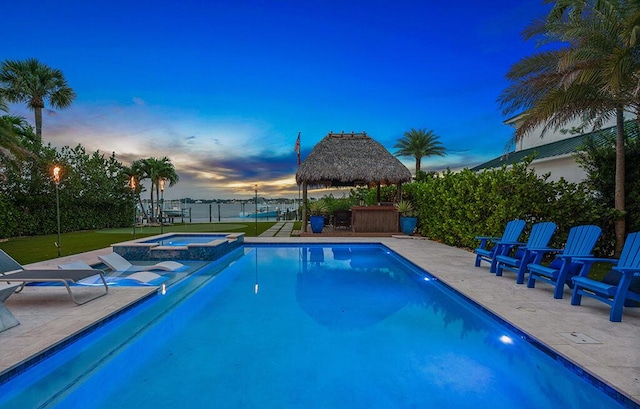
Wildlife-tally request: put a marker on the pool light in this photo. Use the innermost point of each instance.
(505, 339)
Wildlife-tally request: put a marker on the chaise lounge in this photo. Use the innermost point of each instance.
(118, 263)
(141, 277)
(12, 272)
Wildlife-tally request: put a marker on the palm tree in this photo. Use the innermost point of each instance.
(594, 77)
(14, 131)
(35, 83)
(162, 170)
(419, 143)
(139, 169)
(11, 150)
(134, 171)
(155, 170)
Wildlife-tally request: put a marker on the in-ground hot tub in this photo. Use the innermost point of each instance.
(180, 246)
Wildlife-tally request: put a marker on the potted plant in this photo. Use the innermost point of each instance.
(408, 219)
(317, 210)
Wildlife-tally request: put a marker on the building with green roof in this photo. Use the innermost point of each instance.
(555, 153)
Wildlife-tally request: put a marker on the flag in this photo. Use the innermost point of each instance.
(297, 148)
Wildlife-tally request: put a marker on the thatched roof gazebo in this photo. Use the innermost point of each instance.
(350, 159)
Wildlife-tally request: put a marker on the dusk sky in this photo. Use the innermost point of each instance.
(222, 88)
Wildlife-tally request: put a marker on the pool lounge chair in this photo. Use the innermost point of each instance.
(502, 245)
(118, 263)
(141, 277)
(539, 238)
(7, 320)
(618, 289)
(563, 268)
(11, 271)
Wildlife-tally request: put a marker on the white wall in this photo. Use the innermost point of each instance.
(533, 139)
(560, 166)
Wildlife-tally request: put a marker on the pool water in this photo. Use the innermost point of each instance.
(185, 239)
(180, 246)
(304, 327)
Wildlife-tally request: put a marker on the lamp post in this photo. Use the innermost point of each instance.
(255, 214)
(56, 181)
(132, 185)
(161, 205)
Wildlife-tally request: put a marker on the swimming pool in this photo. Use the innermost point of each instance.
(180, 246)
(304, 326)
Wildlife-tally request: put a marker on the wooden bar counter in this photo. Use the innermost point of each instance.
(374, 219)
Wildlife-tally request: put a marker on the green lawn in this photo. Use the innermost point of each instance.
(38, 248)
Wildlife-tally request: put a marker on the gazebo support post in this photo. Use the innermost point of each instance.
(378, 191)
(304, 207)
(398, 192)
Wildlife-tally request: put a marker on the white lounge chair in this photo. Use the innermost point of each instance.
(118, 263)
(143, 277)
(11, 271)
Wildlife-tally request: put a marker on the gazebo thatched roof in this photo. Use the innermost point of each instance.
(349, 159)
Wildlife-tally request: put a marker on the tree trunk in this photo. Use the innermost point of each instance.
(158, 210)
(619, 204)
(152, 210)
(145, 214)
(38, 113)
(418, 160)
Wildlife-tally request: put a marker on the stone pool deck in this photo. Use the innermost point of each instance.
(584, 335)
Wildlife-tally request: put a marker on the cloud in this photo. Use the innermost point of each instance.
(214, 157)
(139, 101)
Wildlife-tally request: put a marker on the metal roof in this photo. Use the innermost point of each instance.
(558, 148)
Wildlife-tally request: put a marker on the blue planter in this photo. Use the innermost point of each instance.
(408, 224)
(317, 223)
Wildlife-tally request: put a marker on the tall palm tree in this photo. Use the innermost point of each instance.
(155, 170)
(35, 83)
(419, 143)
(595, 76)
(163, 171)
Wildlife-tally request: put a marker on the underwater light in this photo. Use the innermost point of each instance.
(506, 340)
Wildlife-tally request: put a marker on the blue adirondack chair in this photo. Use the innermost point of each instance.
(502, 245)
(627, 287)
(539, 238)
(580, 243)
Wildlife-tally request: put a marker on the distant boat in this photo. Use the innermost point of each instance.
(175, 209)
(263, 212)
(176, 212)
